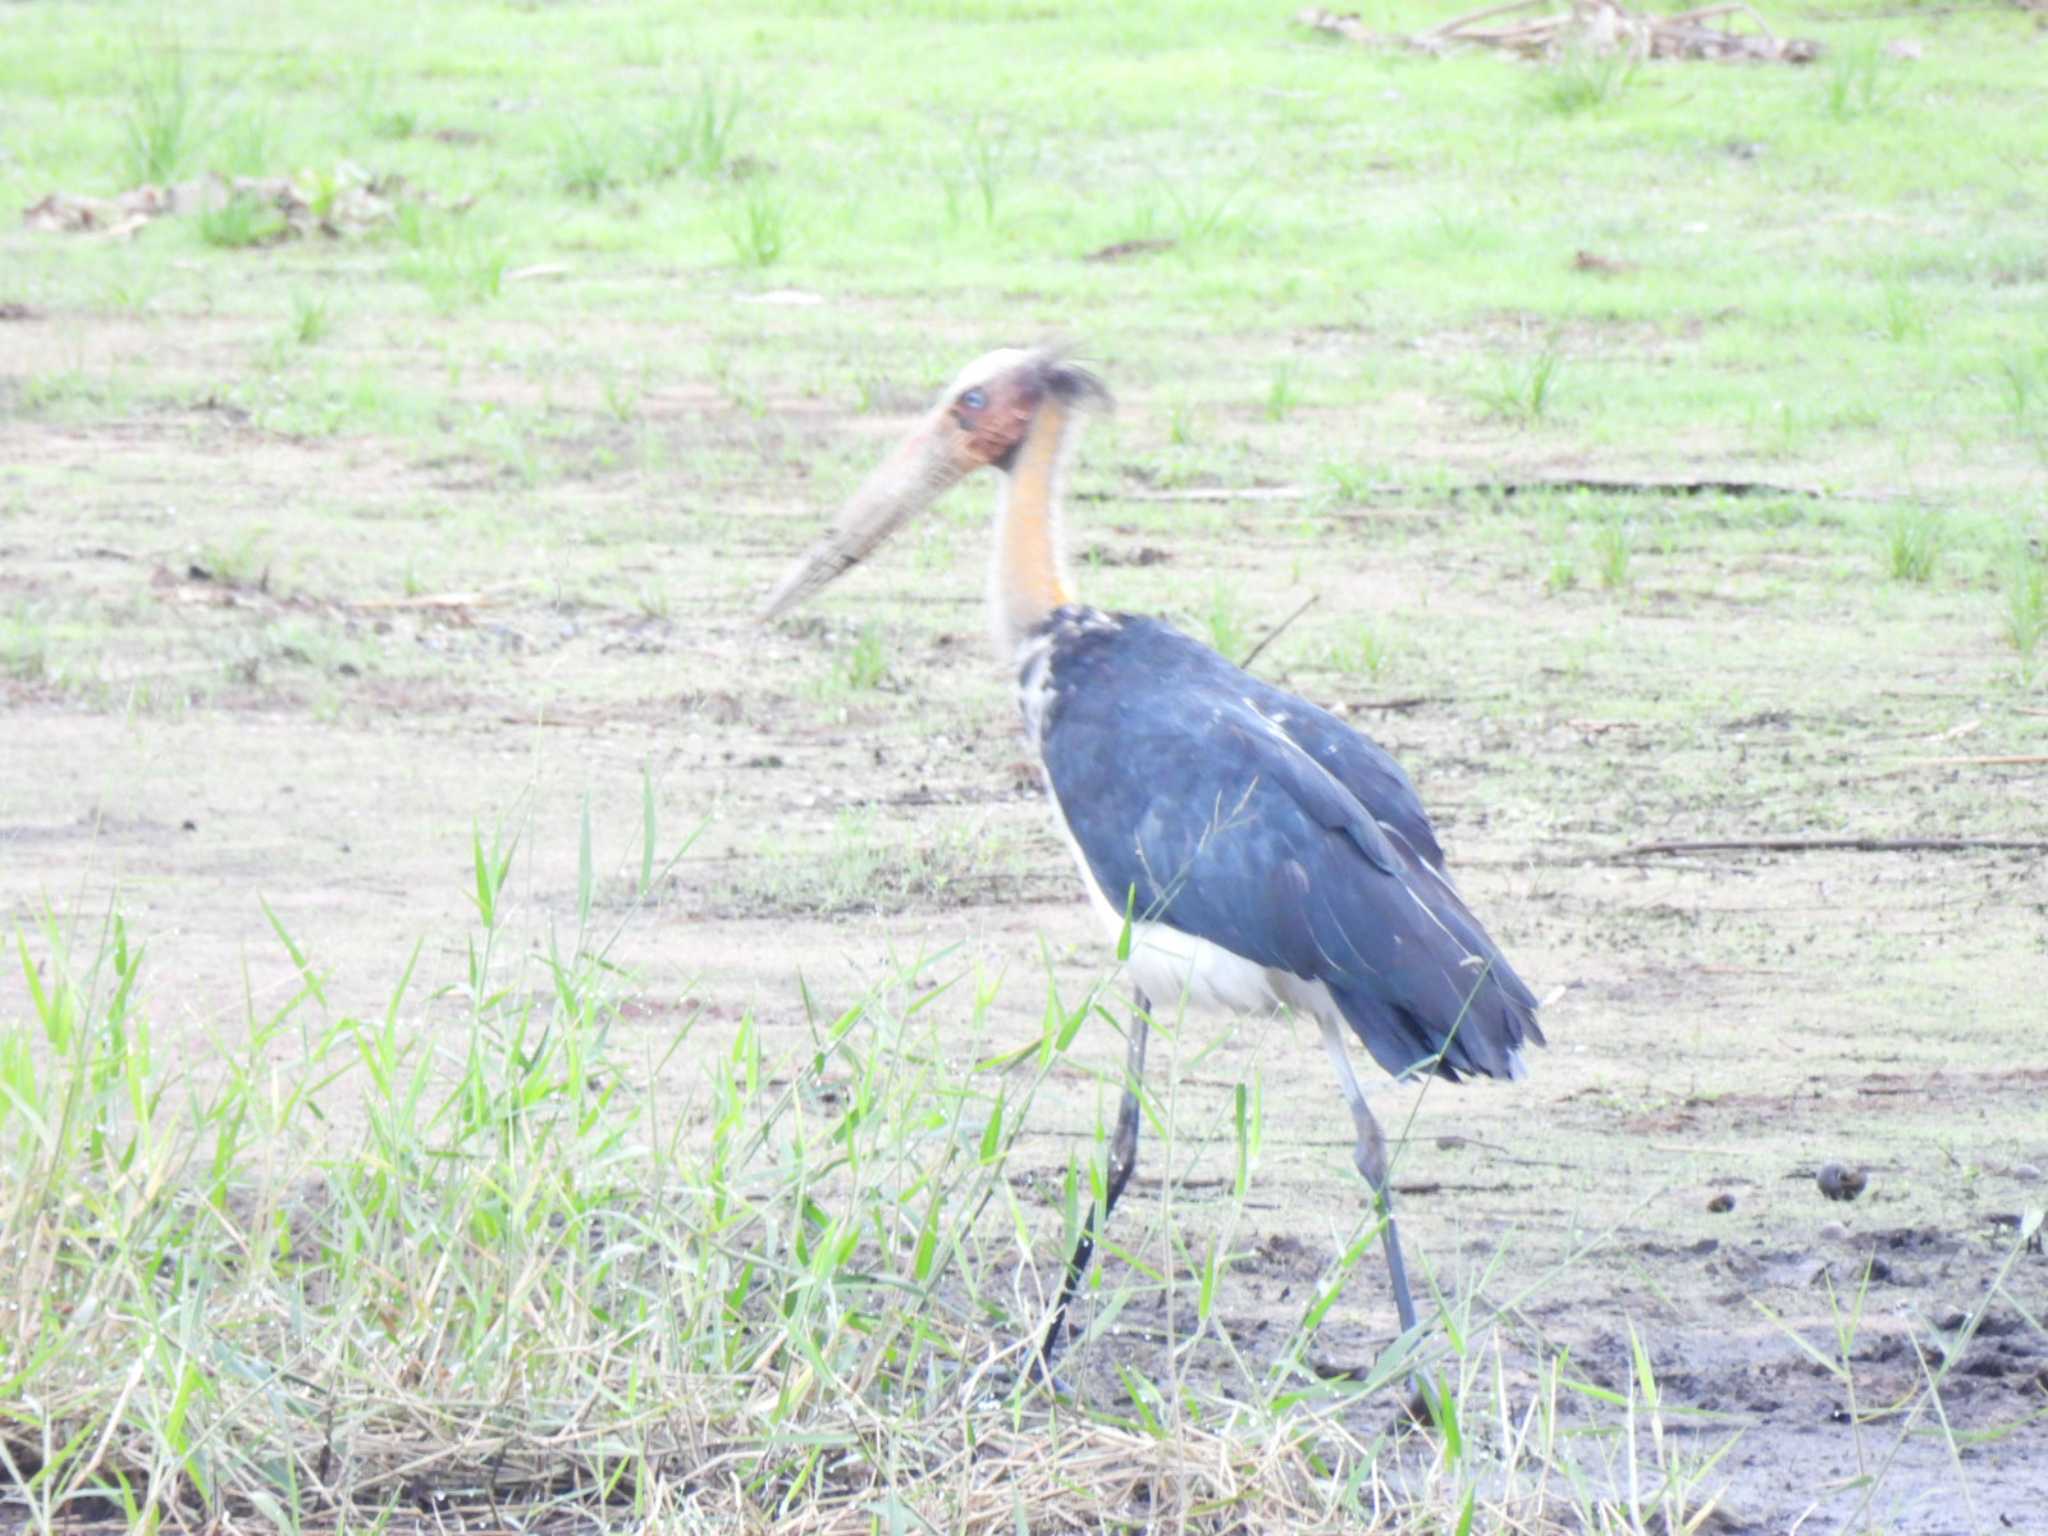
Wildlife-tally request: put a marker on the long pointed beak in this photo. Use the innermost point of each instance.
(924, 467)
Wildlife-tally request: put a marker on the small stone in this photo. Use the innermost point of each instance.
(2026, 1173)
(1952, 1320)
(1833, 1232)
(1722, 1203)
(1839, 1183)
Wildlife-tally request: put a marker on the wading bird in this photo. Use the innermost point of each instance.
(1261, 852)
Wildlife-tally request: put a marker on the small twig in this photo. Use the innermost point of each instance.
(1445, 29)
(1206, 493)
(1277, 630)
(1826, 844)
(427, 600)
(1395, 706)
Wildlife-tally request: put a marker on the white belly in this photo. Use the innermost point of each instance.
(1173, 968)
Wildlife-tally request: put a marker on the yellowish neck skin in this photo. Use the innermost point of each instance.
(1028, 579)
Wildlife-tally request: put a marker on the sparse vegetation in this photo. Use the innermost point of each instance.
(1282, 394)
(1613, 544)
(2026, 606)
(312, 319)
(243, 220)
(867, 660)
(1362, 650)
(1521, 392)
(758, 228)
(1225, 620)
(1582, 78)
(457, 266)
(1913, 543)
(162, 120)
(1857, 83)
(586, 161)
(1352, 483)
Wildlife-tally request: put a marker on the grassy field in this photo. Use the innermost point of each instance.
(494, 1039)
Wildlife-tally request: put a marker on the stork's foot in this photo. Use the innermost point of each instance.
(1042, 1374)
(1419, 1407)
(1035, 1373)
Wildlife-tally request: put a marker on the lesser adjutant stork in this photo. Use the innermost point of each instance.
(1262, 852)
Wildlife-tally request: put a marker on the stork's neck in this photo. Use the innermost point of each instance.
(1028, 579)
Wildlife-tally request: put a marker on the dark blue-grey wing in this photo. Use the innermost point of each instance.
(1211, 819)
(1383, 787)
(1360, 764)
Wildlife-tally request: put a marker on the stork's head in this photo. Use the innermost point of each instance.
(981, 420)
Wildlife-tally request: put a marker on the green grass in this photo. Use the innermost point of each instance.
(1613, 545)
(759, 228)
(586, 161)
(1857, 81)
(1225, 623)
(1522, 390)
(243, 220)
(697, 134)
(1582, 79)
(2026, 606)
(1283, 394)
(162, 120)
(312, 319)
(1913, 543)
(867, 660)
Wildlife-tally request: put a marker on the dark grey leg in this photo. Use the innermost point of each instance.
(1371, 1156)
(1123, 1158)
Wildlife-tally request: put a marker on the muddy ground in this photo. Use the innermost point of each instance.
(248, 666)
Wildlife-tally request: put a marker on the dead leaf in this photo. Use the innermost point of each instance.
(1123, 248)
(1588, 261)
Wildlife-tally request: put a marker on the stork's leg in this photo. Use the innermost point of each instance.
(1123, 1158)
(1371, 1157)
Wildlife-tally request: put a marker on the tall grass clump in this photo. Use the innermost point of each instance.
(586, 162)
(455, 265)
(695, 133)
(1913, 541)
(243, 220)
(758, 229)
(162, 121)
(2026, 607)
(1581, 78)
(1857, 83)
(1522, 392)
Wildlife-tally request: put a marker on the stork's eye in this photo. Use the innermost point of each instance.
(973, 400)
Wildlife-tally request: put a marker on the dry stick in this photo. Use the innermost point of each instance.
(1823, 844)
(1448, 27)
(1277, 630)
(1485, 488)
(1712, 12)
(427, 600)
